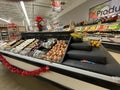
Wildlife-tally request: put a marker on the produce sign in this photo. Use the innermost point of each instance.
(23, 72)
(111, 7)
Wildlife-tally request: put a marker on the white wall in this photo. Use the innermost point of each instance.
(80, 13)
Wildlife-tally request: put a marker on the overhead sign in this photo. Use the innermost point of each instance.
(111, 7)
(56, 5)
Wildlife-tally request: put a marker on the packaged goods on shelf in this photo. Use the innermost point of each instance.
(57, 51)
(23, 45)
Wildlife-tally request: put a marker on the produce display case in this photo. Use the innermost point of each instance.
(104, 27)
(79, 58)
(98, 59)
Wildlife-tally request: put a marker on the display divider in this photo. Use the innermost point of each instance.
(66, 50)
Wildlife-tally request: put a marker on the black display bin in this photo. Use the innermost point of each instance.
(77, 50)
(99, 60)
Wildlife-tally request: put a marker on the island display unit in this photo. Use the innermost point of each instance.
(73, 57)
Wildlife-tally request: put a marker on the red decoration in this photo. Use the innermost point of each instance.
(39, 19)
(23, 72)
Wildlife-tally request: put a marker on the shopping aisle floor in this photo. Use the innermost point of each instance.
(11, 81)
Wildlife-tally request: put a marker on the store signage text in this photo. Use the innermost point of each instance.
(113, 9)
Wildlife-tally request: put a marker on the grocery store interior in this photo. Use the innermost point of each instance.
(59, 45)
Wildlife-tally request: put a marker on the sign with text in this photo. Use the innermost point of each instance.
(108, 8)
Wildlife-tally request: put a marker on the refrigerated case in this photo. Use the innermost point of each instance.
(100, 65)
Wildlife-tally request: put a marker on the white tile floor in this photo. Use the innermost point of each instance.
(11, 81)
(116, 55)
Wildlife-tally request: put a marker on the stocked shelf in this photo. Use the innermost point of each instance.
(105, 27)
(50, 51)
(10, 33)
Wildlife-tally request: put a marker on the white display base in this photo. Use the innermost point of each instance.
(63, 80)
(113, 79)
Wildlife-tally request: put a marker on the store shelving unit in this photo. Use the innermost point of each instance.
(71, 65)
(7, 33)
(4, 32)
(93, 32)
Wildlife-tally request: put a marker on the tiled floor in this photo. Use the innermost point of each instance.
(116, 55)
(11, 81)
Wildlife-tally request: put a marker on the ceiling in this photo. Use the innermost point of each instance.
(11, 9)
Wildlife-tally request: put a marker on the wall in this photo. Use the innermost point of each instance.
(80, 13)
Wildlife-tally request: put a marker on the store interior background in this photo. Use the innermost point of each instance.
(80, 13)
(11, 10)
(73, 10)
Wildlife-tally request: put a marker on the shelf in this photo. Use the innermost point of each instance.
(63, 67)
(111, 43)
(58, 78)
(105, 28)
(3, 35)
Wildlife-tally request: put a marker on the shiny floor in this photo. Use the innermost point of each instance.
(11, 81)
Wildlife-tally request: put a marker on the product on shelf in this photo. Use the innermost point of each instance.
(93, 28)
(80, 29)
(86, 28)
(95, 43)
(16, 44)
(102, 27)
(49, 43)
(76, 35)
(7, 45)
(38, 54)
(23, 45)
(43, 46)
(57, 51)
(29, 47)
(114, 26)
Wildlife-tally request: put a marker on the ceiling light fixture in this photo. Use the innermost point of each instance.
(7, 21)
(25, 13)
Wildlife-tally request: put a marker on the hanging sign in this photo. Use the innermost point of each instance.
(111, 7)
(56, 5)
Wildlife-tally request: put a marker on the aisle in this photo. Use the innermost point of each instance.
(11, 81)
(115, 54)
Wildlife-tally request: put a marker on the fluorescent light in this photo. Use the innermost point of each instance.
(25, 13)
(4, 20)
